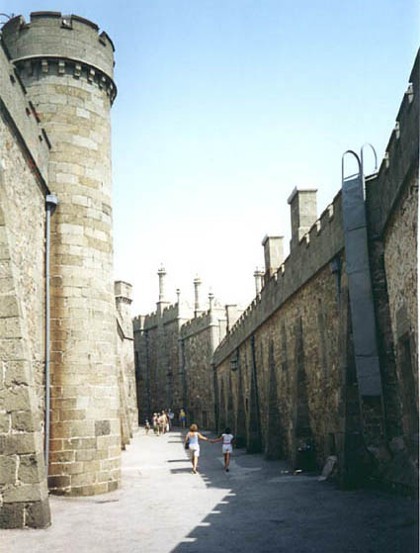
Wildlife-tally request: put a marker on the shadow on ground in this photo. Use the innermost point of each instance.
(268, 509)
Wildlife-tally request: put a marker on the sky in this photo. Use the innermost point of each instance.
(223, 108)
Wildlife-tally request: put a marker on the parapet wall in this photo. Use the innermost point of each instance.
(170, 314)
(70, 43)
(399, 160)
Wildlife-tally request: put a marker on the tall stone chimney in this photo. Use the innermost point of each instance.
(197, 283)
(233, 312)
(273, 254)
(303, 212)
(161, 274)
(211, 301)
(259, 280)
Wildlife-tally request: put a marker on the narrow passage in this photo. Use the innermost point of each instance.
(258, 507)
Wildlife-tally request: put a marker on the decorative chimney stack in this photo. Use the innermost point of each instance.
(161, 273)
(273, 254)
(197, 283)
(303, 213)
(259, 280)
(211, 301)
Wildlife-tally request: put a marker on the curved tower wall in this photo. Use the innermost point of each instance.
(67, 69)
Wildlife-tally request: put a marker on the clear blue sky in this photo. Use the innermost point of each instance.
(223, 107)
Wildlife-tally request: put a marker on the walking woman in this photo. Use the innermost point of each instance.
(227, 440)
(193, 438)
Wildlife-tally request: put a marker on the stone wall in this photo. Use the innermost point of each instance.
(125, 355)
(393, 226)
(23, 484)
(198, 340)
(173, 351)
(56, 71)
(72, 94)
(287, 377)
(160, 381)
(281, 380)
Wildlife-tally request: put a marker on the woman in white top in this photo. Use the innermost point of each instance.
(192, 439)
(227, 440)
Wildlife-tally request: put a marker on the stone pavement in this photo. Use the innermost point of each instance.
(258, 507)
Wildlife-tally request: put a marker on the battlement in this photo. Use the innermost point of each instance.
(65, 44)
(403, 146)
(138, 323)
(204, 321)
(198, 323)
(317, 247)
(324, 240)
(170, 313)
(404, 113)
(150, 321)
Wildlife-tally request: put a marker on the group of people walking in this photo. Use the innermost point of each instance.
(192, 443)
(162, 422)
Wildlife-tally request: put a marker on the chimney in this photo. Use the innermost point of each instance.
(197, 282)
(232, 315)
(303, 213)
(259, 280)
(273, 254)
(211, 301)
(161, 273)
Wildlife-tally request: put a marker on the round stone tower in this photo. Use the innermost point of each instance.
(67, 69)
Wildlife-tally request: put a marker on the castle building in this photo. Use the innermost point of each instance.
(173, 351)
(67, 392)
(321, 368)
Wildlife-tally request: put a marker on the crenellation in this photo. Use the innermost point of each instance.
(278, 290)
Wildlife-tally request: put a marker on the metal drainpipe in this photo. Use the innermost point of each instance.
(51, 202)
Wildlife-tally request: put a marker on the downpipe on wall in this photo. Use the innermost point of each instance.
(51, 202)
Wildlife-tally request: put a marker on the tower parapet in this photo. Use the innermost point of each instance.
(62, 45)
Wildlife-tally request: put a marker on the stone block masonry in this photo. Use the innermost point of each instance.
(291, 379)
(173, 352)
(56, 91)
(23, 481)
(80, 150)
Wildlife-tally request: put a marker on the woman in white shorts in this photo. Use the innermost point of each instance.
(227, 446)
(192, 439)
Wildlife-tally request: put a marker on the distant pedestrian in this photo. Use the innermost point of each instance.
(162, 422)
(171, 418)
(182, 418)
(227, 439)
(192, 439)
(155, 422)
(147, 426)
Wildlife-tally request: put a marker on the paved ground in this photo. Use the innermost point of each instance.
(258, 507)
